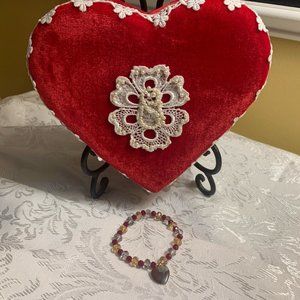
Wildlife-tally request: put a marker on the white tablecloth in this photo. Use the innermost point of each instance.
(242, 243)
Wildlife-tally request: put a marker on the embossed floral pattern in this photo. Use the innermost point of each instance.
(149, 111)
(233, 4)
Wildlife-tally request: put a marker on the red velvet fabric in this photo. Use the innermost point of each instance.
(222, 56)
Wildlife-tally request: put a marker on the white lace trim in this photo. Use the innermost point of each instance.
(261, 25)
(149, 111)
(29, 47)
(122, 11)
(83, 4)
(47, 18)
(194, 4)
(233, 4)
(158, 19)
(271, 55)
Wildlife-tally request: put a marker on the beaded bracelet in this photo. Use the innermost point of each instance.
(159, 271)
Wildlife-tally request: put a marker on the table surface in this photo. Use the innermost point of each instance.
(242, 243)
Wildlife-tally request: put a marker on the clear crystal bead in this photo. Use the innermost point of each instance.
(130, 221)
(124, 255)
(117, 237)
(148, 212)
(178, 231)
(147, 264)
(165, 221)
(172, 251)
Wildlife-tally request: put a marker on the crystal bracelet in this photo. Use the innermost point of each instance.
(159, 271)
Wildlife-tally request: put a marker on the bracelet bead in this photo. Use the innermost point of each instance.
(179, 236)
(177, 241)
(116, 248)
(179, 231)
(130, 221)
(134, 262)
(118, 237)
(162, 261)
(138, 216)
(124, 255)
(140, 263)
(147, 264)
(158, 216)
(170, 226)
(175, 247)
(123, 229)
(175, 228)
(172, 251)
(168, 256)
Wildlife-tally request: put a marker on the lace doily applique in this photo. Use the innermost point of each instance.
(148, 107)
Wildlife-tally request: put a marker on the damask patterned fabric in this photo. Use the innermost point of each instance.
(242, 243)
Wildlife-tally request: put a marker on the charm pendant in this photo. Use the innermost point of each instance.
(160, 274)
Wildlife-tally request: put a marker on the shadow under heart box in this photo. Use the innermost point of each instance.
(149, 93)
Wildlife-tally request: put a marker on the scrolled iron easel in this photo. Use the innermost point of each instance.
(200, 178)
(95, 174)
(97, 192)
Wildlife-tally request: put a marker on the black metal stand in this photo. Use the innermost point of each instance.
(95, 174)
(200, 178)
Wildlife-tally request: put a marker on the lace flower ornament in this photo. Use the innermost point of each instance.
(233, 4)
(83, 4)
(150, 120)
(47, 18)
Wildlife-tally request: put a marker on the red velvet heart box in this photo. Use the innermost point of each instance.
(219, 52)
